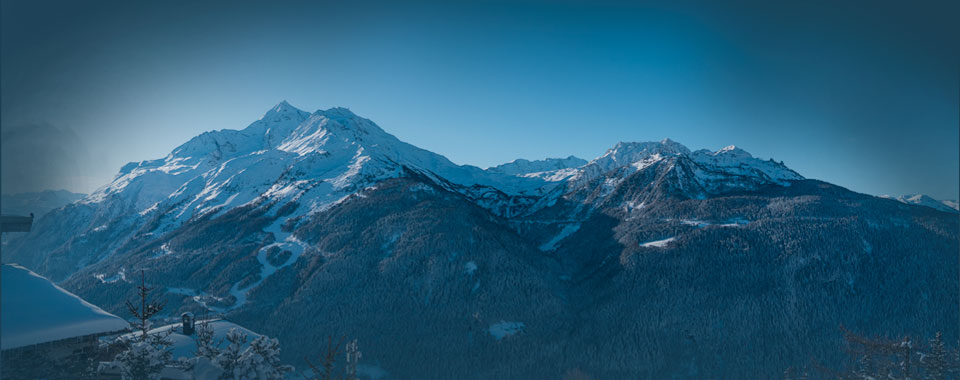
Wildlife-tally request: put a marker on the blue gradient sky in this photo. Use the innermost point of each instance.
(864, 97)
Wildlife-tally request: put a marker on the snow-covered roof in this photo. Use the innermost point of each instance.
(186, 346)
(35, 310)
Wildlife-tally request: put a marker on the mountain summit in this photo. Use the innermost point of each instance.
(928, 201)
(320, 158)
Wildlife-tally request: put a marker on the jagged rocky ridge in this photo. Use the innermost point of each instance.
(649, 261)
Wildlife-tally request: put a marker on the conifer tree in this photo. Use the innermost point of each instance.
(937, 364)
(146, 310)
(145, 354)
(260, 360)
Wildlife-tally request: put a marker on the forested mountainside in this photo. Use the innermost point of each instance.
(649, 261)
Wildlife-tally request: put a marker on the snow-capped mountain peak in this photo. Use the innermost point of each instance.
(287, 155)
(626, 153)
(733, 151)
(703, 172)
(338, 113)
(281, 108)
(325, 129)
(734, 160)
(522, 166)
(316, 159)
(926, 200)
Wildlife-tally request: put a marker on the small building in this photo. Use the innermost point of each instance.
(46, 330)
(187, 324)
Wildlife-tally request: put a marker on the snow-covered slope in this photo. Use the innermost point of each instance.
(635, 154)
(695, 174)
(727, 162)
(736, 161)
(287, 155)
(521, 166)
(318, 159)
(34, 310)
(952, 204)
(926, 200)
(303, 163)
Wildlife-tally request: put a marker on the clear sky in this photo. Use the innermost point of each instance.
(861, 94)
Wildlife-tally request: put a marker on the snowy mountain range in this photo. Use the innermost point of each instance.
(325, 215)
(321, 158)
(928, 201)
